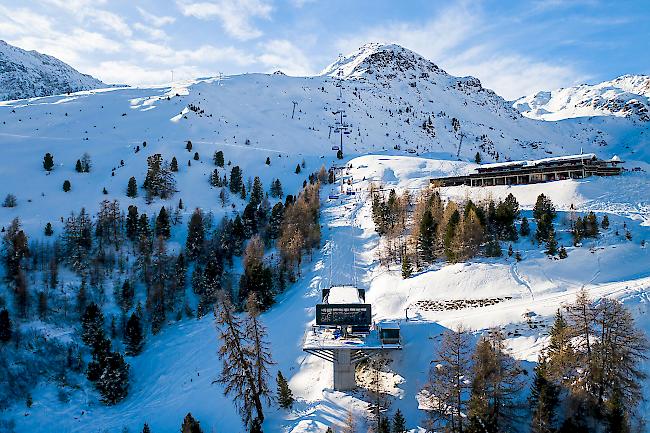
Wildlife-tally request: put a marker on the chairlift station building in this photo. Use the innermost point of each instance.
(344, 333)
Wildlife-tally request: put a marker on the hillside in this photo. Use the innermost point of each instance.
(408, 121)
(29, 74)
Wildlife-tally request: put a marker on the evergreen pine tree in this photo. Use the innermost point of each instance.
(236, 182)
(242, 192)
(268, 161)
(132, 188)
(551, 243)
(113, 383)
(284, 394)
(275, 221)
(493, 248)
(257, 192)
(218, 158)
(188, 145)
(298, 169)
(407, 267)
(524, 229)
(190, 425)
(427, 237)
(196, 156)
(173, 166)
(399, 424)
(78, 167)
(133, 338)
(339, 154)
(195, 234)
(5, 326)
(384, 425)
(49, 231)
(127, 295)
(66, 185)
(146, 429)
(562, 253)
(543, 400)
(605, 222)
(132, 223)
(477, 158)
(163, 228)
(48, 162)
(92, 325)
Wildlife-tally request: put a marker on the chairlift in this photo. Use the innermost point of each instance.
(346, 132)
(411, 150)
(335, 148)
(350, 192)
(333, 197)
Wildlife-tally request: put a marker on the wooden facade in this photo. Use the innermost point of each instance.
(543, 170)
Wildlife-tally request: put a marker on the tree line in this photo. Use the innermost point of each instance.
(588, 378)
(122, 258)
(418, 230)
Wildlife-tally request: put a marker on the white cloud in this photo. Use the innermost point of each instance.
(284, 55)
(235, 15)
(433, 39)
(155, 20)
(204, 54)
(151, 32)
(513, 76)
(109, 21)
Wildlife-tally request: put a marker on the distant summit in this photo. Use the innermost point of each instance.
(626, 96)
(28, 74)
(382, 60)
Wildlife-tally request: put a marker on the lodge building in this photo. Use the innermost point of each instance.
(537, 171)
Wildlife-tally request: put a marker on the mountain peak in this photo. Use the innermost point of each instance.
(382, 60)
(624, 96)
(28, 74)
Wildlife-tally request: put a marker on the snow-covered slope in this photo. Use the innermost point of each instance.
(388, 93)
(27, 74)
(626, 96)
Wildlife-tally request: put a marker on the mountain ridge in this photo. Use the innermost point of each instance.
(625, 96)
(28, 74)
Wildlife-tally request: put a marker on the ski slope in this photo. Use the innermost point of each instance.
(249, 117)
(175, 373)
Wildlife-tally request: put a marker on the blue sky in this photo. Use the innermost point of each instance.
(514, 47)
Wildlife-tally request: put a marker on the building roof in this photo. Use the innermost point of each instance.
(535, 162)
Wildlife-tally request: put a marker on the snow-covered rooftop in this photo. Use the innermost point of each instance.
(534, 162)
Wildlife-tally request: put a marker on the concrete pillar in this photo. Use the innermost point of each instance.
(343, 370)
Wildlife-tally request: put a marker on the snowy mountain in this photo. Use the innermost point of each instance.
(408, 120)
(626, 96)
(28, 74)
